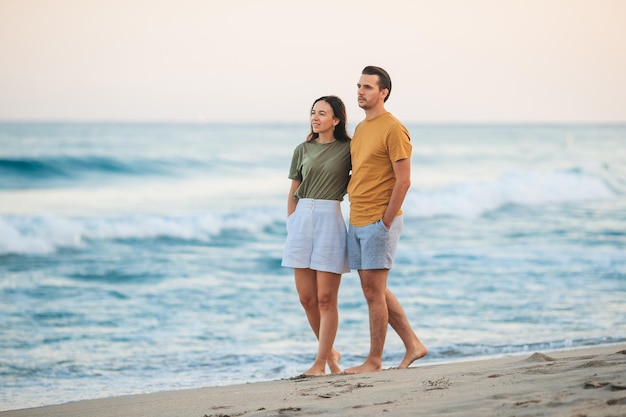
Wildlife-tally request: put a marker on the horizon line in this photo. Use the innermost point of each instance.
(293, 122)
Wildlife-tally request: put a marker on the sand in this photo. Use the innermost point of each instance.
(575, 383)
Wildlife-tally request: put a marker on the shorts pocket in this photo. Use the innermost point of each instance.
(290, 219)
(382, 225)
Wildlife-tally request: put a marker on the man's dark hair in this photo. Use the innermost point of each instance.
(384, 80)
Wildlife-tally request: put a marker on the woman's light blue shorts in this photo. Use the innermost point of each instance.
(317, 237)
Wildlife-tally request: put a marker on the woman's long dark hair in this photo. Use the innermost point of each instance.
(339, 112)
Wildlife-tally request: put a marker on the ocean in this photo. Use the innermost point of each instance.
(145, 257)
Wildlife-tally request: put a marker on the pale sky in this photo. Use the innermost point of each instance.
(266, 61)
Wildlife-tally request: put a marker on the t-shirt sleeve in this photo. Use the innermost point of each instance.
(295, 170)
(399, 143)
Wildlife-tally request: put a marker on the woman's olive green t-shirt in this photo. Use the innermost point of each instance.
(322, 168)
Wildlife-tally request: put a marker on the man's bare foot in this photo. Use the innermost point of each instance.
(317, 369)
(367, 366)
(418, 352)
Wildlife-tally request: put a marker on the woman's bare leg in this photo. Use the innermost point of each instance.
(327, 289)
(318, 295)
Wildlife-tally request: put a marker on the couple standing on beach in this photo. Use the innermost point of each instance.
(374, 169)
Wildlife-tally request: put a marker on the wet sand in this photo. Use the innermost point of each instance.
(579, 382)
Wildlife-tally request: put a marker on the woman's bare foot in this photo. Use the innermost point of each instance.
(333, 362)
(418, 352)
(317, 369)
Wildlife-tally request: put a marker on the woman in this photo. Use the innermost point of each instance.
(316, 230)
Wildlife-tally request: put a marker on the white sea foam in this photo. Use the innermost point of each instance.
(471, 199)
(40, 235)
(47, 233)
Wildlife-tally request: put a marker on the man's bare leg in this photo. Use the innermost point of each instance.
(374, 285)
(415, 349)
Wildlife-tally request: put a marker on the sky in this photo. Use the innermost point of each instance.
(451, 61)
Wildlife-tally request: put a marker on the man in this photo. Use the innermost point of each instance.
(381, 171)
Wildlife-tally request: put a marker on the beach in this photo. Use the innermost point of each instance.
(576, 382)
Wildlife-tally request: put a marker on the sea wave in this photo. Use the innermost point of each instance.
(473, 199)
(20, 173)
(47, 233)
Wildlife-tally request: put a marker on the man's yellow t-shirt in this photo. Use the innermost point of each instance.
(375, 146)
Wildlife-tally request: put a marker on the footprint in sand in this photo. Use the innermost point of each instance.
(594, 364)
(618, 401)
